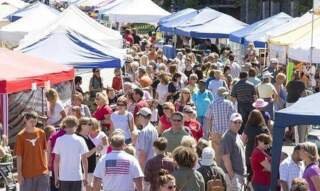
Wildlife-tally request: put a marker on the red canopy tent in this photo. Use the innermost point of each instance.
(21, 72)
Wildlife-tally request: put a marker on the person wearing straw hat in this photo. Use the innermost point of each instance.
(217, 119)
(267, 92)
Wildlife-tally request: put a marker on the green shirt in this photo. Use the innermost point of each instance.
(189, 180)
(174, 138)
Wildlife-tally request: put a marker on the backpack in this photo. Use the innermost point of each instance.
(216, 182)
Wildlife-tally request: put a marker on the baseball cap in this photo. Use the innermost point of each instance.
(145, 112)
(235, 117)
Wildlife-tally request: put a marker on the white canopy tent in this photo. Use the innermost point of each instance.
(301, 50)
(12, 33)
(78, 21)
(133, 11)
(278, 50)
(8, 7)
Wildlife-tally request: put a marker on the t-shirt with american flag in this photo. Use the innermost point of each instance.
(117, 171)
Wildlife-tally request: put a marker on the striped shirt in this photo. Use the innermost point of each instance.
(244, 92)
(218, 114)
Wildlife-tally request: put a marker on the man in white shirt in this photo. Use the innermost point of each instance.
(70, 151)
(291, 168)
(118, 170)
(234, 67)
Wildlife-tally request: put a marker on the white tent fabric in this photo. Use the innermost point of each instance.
(35, 20)
(8, 7)
(301, 50)
(278, 51)
(93, 3)
(78, 21)
(134, 11)
(36, 8)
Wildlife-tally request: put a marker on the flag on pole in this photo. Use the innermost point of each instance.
(316, 7)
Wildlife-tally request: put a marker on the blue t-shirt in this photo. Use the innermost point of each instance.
(202, 100)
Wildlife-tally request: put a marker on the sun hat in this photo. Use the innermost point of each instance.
(235, 117)
(260, 103)
(207, 157)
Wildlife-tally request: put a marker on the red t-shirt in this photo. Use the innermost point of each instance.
(139, 105)
(101, 112)
(165, 122)
(195, 127)
(117, 83)
(260, 176)
(129, 39)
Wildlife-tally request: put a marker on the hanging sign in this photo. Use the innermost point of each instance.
(316, 7)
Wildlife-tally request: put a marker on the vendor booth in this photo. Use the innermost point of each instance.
(133, 11)
(68, 47)
(22, 82)
(257, 32)
(306, 111)
(204, 25)
(32, 19)
(78, 21)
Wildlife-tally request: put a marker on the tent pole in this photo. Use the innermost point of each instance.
(312, 29)
(5, 114)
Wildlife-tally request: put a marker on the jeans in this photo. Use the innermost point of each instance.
(38, 183)
(259, 187)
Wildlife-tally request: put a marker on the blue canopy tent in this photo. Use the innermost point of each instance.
(209, 23)
(257, 32)
(36, 8)
(169, 23)
(306, 111)
(70, 48)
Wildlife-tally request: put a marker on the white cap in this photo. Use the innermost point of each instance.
(145, 111)
(235, 117)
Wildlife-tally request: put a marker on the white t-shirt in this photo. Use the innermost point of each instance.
(122, 122)
(55, 116)
(70, 148)
(162, 91)
(98, 140)
(117, 171)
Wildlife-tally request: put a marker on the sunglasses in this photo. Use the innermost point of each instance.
(171, 187)
(177, 120)
(120, 104)
(237, 122)
(166, 108)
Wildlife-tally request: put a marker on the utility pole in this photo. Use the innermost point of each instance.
(292, 8)
(264, 9)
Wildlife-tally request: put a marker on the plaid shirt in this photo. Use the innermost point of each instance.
(218, 114)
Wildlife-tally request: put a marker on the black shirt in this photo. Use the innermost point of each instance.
(92, 159)
(252, 132)
(295, 88)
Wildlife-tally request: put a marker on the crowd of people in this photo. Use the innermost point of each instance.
(192, 123)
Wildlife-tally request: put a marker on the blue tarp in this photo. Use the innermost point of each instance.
(306, 111)
(209, 23)
(36, 8)
(68, 47)
(169, 23)
(257, 32)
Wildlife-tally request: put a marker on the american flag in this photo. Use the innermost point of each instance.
(117, 167)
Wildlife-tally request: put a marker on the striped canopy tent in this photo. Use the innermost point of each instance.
(22, 81)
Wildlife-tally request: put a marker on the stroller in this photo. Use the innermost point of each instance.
(7, 179)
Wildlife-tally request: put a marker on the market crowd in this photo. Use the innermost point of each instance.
(200, 121)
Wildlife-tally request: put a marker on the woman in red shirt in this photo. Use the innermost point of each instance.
(192, 124)
(260, 163)
(164, 121)
(103, 111)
